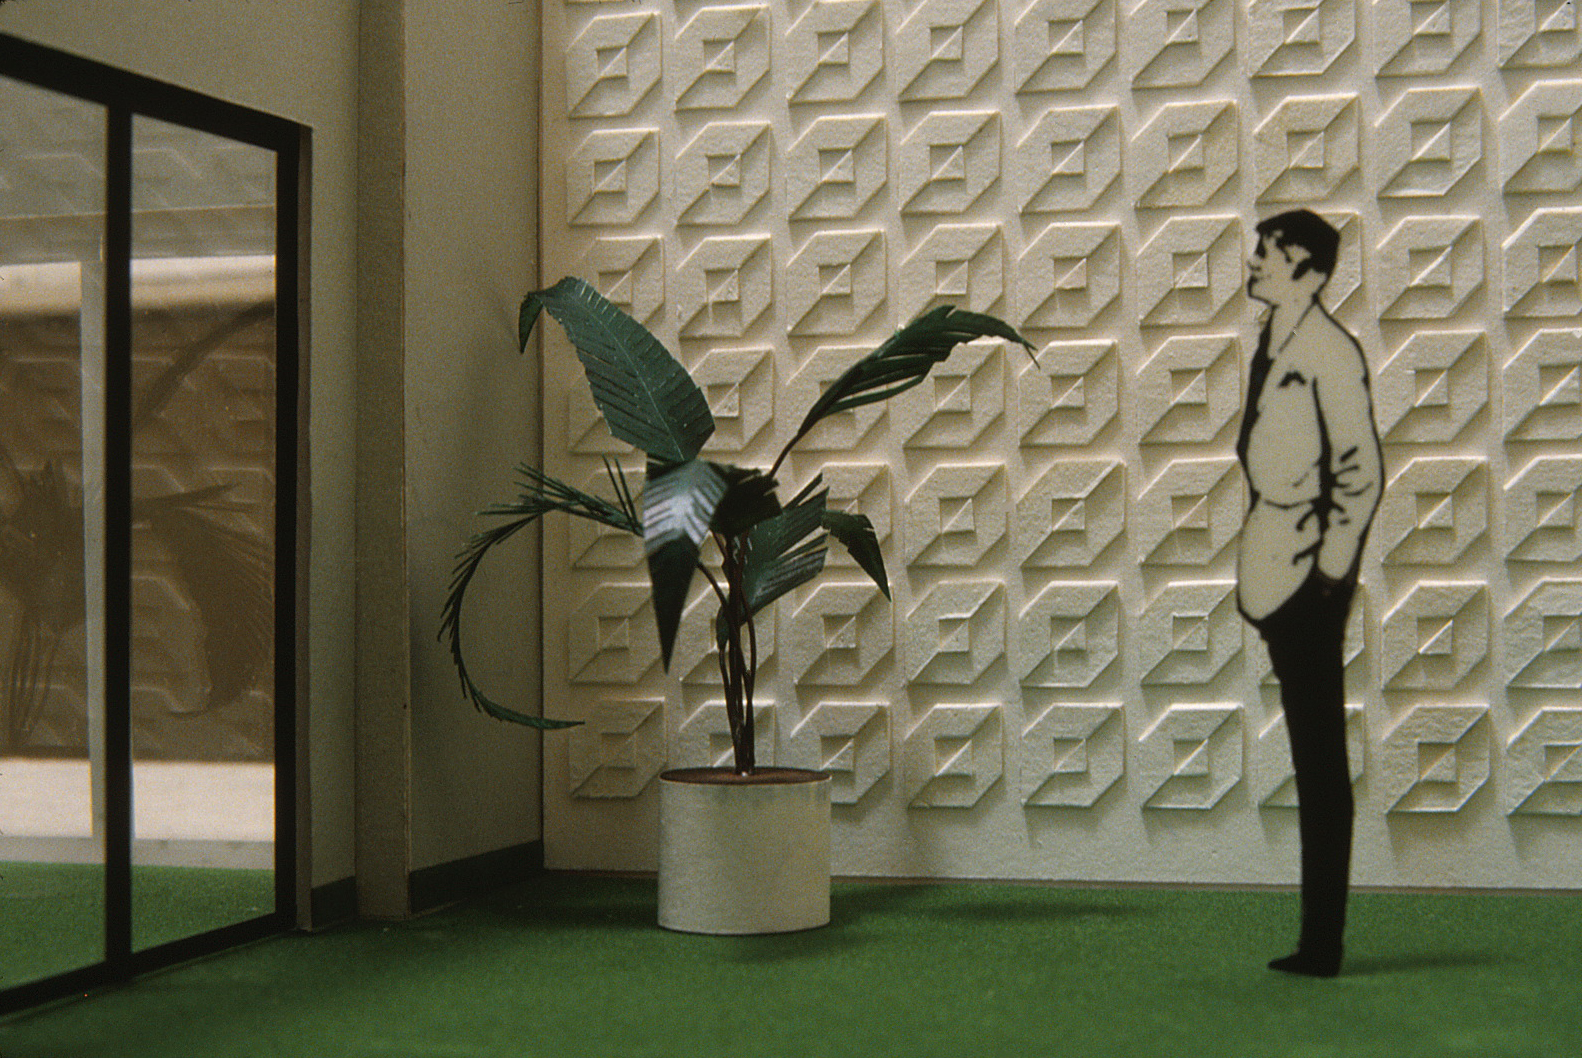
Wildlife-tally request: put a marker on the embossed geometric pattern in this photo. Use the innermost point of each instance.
(1432, 387)
(1434, 637)
(1189, 389)
(1306, 147)
(834, 51)
(850, 741)
(953, 756)
(1072, 753)
(1185, 153)
(944, 48)
(774, 186)
(1434, 508)
(619, 750)
(1542, 388)
(1416, 37)
(1435, 758)
(1541, 510)
(1070, 514)
(703, 738)
(1297, 37)
(1068, 634)
(1541, 139)
(1191, 757)
(1061, 45)
(1543, 265)
(1545, 763)
(1428, 141)
(1429, 266)
(1070, 157)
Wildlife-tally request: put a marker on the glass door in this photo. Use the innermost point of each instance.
(149, 323)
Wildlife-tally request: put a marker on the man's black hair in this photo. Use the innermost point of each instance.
(1304, 228)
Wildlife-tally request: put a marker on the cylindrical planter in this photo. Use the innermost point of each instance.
(743, 854)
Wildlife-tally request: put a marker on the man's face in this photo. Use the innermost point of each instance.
(1271, 271)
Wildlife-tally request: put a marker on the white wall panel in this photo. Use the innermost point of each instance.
(1062, 687)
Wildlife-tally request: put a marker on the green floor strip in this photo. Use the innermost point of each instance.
(571, 967)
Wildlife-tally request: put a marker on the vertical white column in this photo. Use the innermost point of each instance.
(91, 329)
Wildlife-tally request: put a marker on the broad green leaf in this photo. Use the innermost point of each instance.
(646, 396)
(774, 563)
(856, 533)
(904, 360)
(749, 500)
(678, 504)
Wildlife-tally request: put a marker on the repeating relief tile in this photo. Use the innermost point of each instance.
(1068, 634)
(1189, 271)
(846, 431)
(954, 515)
(1429, 266)
(718, 56)
(954, 633)
(1428, 141)
(1188, 633)
(739, 385)
(1189, 390)
(954, 264)
(1185, 153)
(839, 633)
(1435, 758)
(612, 64)
(1544, 764)
(723, 173)
(1542, 388)
(1543, 637)
(1541, 511)
(1189, 514)
(947, 161)
(1288, 38)
(1069, 515)
(1435, 636)
(1434, 508)
(724, 286)
(837, 166)
(833, 51)
(1072, 754)
(1432, 387)
(618, 750)
(703, 737)
(944, 48)
(612, 176)
(1068, 276)
(1192, 756)
(1543, 266)
(1306, 148)
(954, 755)
(1177, 43)
(1070, 157)
(630, 271)
(959, 401)
(1539, 34)
(1272, 774)
(1061, 45)
(847, 740)
(835, 282)
(611, 636)
(1541, 139)
(1413, 38)
(1068, 395)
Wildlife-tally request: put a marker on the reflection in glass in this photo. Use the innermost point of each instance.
(52, 150)
(203, 484)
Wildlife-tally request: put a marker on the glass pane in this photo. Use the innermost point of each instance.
(52, 150)
(203, 563)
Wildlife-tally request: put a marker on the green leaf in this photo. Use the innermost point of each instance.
(904, 360)
(678, 504)
(646, 396)
(856, 533)
(749, 500)
(774, 564)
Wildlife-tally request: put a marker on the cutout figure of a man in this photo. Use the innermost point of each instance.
(1312, 460)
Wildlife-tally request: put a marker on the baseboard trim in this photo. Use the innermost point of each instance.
(332, 904)
(446, 883)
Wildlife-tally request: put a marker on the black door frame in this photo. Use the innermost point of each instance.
(124, 96)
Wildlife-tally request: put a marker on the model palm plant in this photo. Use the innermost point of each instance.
(763, 546)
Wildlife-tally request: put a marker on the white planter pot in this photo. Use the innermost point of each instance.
(743, 855)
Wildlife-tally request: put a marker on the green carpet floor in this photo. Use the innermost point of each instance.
(52, 914)
(574, 967)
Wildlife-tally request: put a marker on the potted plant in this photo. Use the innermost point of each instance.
(742, 849)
